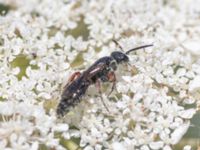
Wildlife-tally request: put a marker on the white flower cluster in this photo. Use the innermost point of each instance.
(42, 42)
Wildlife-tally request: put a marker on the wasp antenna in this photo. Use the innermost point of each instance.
(118, 45)
(140, 47)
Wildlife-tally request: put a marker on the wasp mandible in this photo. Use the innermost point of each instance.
(103, 70)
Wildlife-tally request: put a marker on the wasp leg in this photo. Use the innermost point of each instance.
(98, 85)
(73, 77)
(112, 78)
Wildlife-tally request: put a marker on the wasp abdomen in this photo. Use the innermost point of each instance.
(66, 104)
(71, 96)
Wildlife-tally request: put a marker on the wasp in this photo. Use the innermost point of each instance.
(103, 70)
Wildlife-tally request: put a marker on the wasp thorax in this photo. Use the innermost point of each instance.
(119, 57)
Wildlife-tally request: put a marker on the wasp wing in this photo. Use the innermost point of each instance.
(95, 69)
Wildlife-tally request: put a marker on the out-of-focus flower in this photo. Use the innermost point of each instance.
(193, 47)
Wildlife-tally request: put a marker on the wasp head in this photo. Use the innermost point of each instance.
(119, 57)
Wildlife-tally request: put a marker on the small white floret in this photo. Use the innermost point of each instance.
(193, 47)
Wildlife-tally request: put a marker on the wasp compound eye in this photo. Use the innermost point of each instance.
(119, 57)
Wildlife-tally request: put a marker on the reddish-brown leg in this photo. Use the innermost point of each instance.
(98, 85)
(73, 77)
(112, 78)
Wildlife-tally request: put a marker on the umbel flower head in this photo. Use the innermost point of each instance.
(43, 42)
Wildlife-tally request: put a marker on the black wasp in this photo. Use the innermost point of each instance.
(103, 70)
